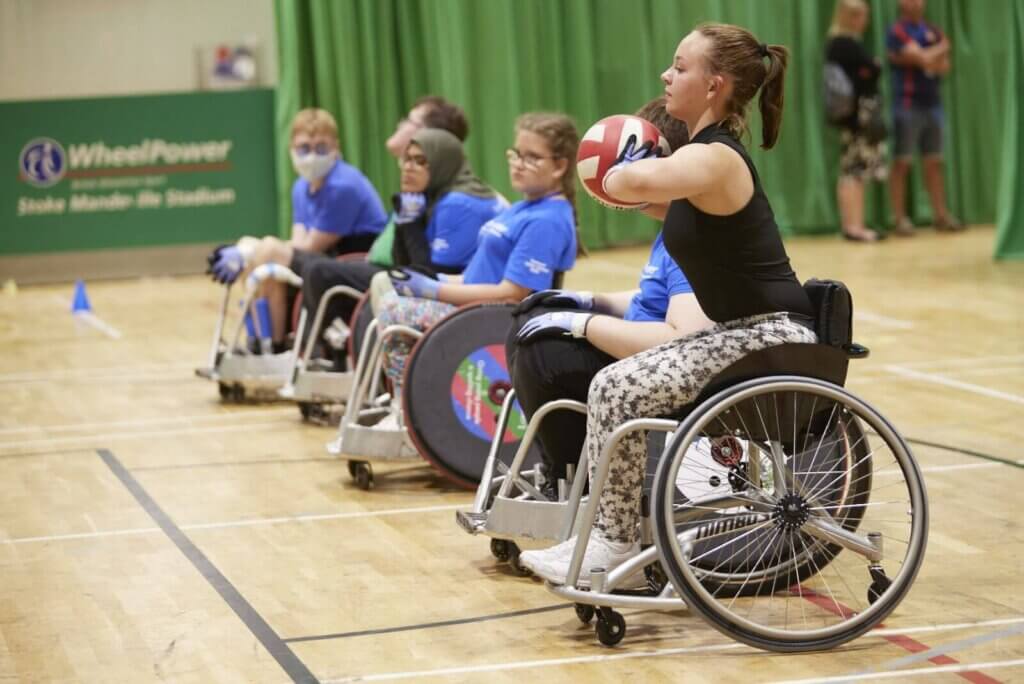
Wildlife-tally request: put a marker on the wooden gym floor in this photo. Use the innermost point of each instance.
(149, 532)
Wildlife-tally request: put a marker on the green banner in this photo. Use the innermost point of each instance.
(136, 171)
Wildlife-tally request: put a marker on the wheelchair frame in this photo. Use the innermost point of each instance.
(358, 441)
(310, 387)
(529, 516)
(242, 375)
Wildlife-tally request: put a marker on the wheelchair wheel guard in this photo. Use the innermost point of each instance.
(455, 381)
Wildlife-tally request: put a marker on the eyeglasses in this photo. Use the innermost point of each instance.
(528, 159)
(414, 159)
(319, 148)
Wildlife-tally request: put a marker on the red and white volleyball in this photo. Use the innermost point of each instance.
(601, 146)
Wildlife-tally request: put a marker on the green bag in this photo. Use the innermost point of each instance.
(380, 250)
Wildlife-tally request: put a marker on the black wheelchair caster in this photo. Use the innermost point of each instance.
(362, 473)
(610, 627)
(225, 391)
(500, 550)
(513, 560)
(585, 612)
(879, 585)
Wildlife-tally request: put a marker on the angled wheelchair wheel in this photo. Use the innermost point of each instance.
(778, 506)
(455, 381)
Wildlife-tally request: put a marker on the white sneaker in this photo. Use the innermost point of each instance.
(553, 564)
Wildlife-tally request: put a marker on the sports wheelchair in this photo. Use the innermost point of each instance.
(241, 374)
(454, 382)
(767, 478)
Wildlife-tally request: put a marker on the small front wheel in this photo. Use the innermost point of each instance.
(513, 559)
(610, 627)
(500, 550)
(362, 473)
(585, 612)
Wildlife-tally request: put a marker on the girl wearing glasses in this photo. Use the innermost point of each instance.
(547, 362)
(518, 252)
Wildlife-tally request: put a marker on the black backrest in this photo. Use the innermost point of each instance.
(557, 279)
(833, 307)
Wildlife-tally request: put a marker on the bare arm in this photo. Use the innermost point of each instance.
(314, 240)
(460, 293)
(620, 338)
(691, 170)
(656, 211)
(913, 55)
(613, 303)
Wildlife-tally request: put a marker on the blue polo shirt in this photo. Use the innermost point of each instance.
(527, 244)
(661, 280)
(911, 86)
(346, 204)
(455, 225)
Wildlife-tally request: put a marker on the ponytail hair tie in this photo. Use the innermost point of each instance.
(764, 50)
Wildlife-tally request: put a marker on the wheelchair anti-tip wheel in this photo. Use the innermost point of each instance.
(790, 514)
(456, 379)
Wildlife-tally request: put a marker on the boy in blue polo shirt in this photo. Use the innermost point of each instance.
(335, 210)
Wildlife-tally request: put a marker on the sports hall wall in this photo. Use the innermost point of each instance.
(367, 60)
(122, 71)
(103, 77)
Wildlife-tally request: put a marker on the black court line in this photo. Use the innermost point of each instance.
(965, 452)
(219, 464)
(430, 625)
(280, 651)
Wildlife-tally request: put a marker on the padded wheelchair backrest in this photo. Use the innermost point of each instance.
(833, 307)
(557, 280)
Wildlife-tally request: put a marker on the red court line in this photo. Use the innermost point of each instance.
(905, 642)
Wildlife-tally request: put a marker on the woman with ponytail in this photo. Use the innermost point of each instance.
(720, 229)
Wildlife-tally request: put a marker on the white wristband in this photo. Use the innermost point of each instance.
(578, 326)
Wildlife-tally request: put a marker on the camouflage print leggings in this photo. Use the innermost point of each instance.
(414, 312)
(655, 383)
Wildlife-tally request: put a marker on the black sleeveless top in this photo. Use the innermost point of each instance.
(736, 264)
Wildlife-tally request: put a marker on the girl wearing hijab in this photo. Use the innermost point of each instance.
(438, 214)
(519, 251)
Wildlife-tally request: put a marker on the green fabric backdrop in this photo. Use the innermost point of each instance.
(368, 60)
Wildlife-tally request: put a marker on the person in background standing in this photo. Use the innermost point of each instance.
(919, 56)
(862, 134)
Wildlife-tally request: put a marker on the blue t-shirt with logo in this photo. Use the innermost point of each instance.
(346, 204)
(455, 225)
(911, 86)
(661, 280)
(526, 244)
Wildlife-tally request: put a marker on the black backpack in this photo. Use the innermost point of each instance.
(840, 100)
